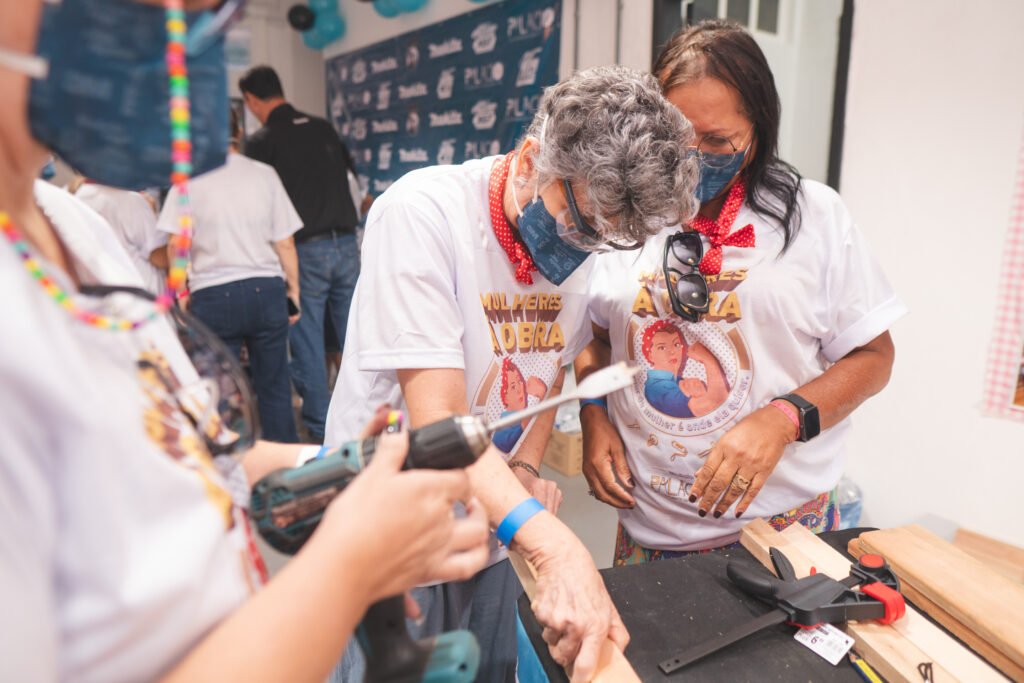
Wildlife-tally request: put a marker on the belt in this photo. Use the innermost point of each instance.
(327, 234)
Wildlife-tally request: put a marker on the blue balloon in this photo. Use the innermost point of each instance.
(479, 2)
(314, 39)
(324, 6)
(411, 5)
(387, 8)
(331, 26)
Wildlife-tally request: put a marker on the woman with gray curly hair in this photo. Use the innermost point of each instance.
(475, 301)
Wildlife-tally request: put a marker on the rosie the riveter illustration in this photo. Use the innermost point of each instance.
(515, 395)
(666, 351)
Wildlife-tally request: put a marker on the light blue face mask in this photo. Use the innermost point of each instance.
(555, 259)
(716, 171)
(100, 97)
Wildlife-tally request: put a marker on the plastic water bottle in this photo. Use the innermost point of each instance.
(567, 419)
(850, 503)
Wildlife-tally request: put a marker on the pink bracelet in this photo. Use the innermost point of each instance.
(790, 413)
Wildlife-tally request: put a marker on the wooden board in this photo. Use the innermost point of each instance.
(894, 651)
(984, 601)
(612, 666)
(1004, 558)
(973, 641)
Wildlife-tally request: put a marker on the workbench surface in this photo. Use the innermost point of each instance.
(671, 604)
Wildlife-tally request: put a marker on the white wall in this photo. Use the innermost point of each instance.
(933, 124)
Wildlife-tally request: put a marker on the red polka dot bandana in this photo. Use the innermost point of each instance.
(517, 253)
(717, 231)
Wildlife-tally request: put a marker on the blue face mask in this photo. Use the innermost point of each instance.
(555, 259)
(49, 170)
(716, 175)
(103, 105)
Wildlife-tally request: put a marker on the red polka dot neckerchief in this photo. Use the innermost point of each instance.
(513, 246)
(717, 231)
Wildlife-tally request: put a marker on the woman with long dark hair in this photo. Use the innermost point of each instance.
(773, 277)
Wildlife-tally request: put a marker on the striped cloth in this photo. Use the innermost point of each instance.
(1004, 376)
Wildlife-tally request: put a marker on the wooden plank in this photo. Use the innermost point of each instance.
(895, 650)
(612, 666)
(984, 601)
(887, 651)
(930, 640)
(1004, 558)
(975, 642)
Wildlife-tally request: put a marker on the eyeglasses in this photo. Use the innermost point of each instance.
(211, 25)
(218, 401)
(577, 232)
(713, 151)
(687, 291)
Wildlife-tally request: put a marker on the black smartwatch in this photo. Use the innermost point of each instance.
(810, 425)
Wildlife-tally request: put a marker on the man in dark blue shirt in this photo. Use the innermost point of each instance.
(313, 164)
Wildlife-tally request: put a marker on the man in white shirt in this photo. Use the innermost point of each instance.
(244, 272)
(477, 299)
(134, 223)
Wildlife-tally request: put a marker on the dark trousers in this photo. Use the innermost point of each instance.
(255, 312)
(328, 270)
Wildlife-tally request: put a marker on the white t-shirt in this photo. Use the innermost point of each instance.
(775, 324)
(239, 211)
(120, 546)
(441, 293)
(134, 223)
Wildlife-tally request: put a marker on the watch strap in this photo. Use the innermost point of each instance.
(810, 423)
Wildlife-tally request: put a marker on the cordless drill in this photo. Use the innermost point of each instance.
(288, 504)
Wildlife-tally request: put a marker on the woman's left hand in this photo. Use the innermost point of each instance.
(741, 461)
(544, 490)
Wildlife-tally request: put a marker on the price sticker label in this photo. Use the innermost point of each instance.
(827, 641)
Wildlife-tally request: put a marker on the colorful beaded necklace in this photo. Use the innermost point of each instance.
(181, 157)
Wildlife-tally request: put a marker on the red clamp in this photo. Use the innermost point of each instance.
(895, 606)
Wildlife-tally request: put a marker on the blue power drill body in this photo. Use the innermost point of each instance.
(288, 504)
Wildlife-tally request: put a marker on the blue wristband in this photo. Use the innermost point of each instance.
(516, 518)
(603, 402)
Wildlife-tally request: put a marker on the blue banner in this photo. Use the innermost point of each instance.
(460, 89)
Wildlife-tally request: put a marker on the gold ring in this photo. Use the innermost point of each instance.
(741, 482)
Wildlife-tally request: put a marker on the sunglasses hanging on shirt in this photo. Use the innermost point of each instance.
(687, 288)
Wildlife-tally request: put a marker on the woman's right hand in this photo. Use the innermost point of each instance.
(401, 525)
(604, 459)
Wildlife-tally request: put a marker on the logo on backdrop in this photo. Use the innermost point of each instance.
(384, 126)
(413, 156)
(445, 83)
(528, 65)
(384, 156)
(383, 65)
(449, 47)
(485, 37)
(412, 123)
(359, 71)
(407, 92)
(452, 117)
(485, 114)
(359, 129)
(446, 152)
(483, 76)
(384, 95)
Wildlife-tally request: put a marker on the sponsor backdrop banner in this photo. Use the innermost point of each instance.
(460, 89)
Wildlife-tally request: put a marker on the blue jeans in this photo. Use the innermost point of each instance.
(485, 604)
(328, 270)
(255, 312)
